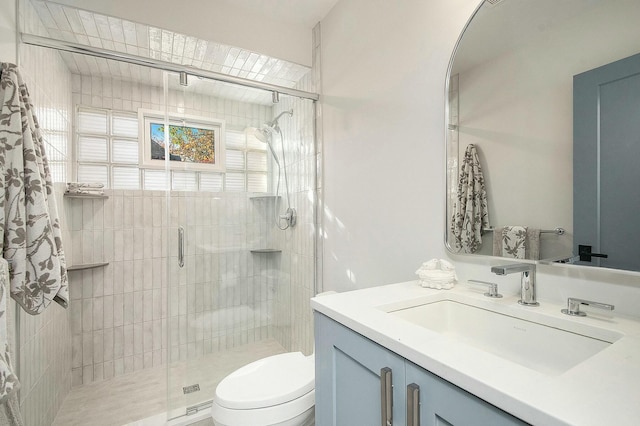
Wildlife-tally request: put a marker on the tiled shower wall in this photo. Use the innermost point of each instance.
(43, 347)
(130, 315)
(126, 315)
(293, 326)
(121, 95)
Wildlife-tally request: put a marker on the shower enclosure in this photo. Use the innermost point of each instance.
(201, 257)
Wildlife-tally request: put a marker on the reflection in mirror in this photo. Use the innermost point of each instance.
(511, 96)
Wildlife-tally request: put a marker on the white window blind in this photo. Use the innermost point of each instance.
(235, 159)
(234, 182)
(124, 151)
(92, 121)
(155, 180)
(211, 182)
(93, 174)
(257, 182)
(124, 125)
(126, 177)
(184, 181)
(257, 161)
(92, 149)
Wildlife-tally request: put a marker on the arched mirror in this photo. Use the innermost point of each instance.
(544, 117)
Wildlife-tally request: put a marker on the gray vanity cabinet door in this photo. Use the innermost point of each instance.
(348, 377)
(444, 404)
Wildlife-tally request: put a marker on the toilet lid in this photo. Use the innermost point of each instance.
(267, 382)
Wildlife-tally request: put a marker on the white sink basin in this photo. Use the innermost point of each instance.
(548, 349)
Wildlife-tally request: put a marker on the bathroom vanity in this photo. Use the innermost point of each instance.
(402, 354)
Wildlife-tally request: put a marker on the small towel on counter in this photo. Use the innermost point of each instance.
(517, 242)
(437, 273)
(471, 211)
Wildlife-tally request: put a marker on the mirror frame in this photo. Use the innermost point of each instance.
(447, 207)
(447, 115)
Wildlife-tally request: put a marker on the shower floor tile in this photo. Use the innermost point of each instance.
(131, 397)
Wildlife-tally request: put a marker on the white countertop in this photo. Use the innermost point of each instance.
(602, 390)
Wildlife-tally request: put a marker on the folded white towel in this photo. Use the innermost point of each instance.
(437, 273)
(430, 264)
(437, 285)
(85, 185)
(446, 265)
(85, 191)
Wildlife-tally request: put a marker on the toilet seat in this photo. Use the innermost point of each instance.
(269, 391)
(267, 382)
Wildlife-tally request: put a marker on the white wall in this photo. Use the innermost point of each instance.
(213, 20)
(8, 31)
(383, 75)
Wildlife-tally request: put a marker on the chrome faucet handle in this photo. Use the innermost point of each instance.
(493, 288)
(573, 306)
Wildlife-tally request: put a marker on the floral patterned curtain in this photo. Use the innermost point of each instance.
(30, 234)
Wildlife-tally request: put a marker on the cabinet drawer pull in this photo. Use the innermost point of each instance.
(386, 396)
(413, 405)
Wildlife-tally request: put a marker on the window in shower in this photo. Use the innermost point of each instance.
(107, 148)
(192, 143)
(108, 151)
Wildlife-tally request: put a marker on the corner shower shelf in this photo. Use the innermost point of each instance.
(266, 250)
(263, 197)
(84, 266)
(87, 196)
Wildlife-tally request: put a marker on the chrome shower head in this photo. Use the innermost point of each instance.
(274, 123)
(263, 134)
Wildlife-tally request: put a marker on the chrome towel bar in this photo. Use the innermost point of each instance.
(557, 231)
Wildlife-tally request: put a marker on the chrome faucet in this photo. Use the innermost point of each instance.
(527, 280)
(573, 306)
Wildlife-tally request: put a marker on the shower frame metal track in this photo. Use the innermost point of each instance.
(82, 49)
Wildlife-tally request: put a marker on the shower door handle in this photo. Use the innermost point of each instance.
(181, 246)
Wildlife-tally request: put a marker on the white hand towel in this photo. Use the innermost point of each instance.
(437, 273)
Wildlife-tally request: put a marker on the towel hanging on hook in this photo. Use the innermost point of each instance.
(31, 239)
(470, 211)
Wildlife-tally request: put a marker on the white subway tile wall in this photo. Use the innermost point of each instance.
(128, 96)
(43, 348)
(293, 319)
(131, 315)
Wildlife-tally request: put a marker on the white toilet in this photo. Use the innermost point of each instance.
(274, 391)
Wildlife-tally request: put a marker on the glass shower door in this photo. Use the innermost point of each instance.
(221, 280)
